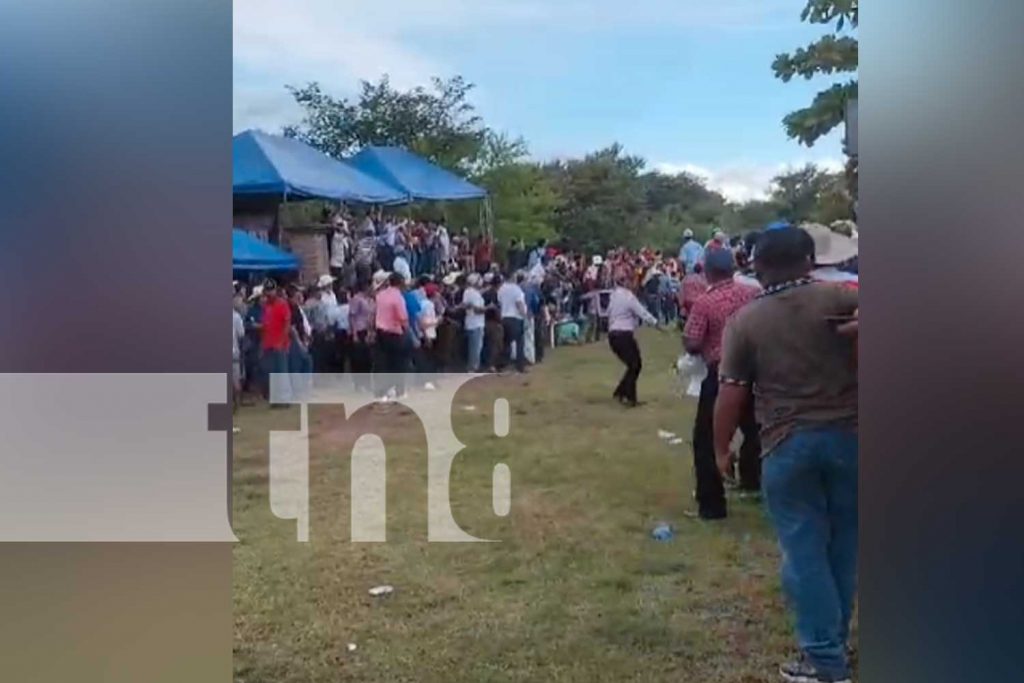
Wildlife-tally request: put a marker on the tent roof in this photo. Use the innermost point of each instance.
(251, 253)
(264, 164)
(416, 177)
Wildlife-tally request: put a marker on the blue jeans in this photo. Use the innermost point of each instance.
(810, 487)
(475, 345)
(275, 370)
(300, 365)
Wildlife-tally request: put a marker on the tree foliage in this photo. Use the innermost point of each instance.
(830, 55)
(811, 194)
(438, 123)
(602, 200)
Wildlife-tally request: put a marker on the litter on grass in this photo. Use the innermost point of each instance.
(378, 591)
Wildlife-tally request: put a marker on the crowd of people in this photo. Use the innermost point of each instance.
(772, 315)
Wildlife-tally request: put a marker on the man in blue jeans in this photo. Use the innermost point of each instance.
(792, 350)
(512, 302)
(473, 303)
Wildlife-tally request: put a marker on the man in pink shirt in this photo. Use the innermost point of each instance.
(392, 322)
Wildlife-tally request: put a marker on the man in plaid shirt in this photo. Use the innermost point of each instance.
(703, 335)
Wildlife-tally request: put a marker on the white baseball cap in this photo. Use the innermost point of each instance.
(687, 233)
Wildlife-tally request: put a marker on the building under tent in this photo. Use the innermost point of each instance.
(269, 171)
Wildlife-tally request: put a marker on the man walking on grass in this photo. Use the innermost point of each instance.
(793, 348)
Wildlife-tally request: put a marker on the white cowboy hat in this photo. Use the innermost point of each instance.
(380, 278)
(830, 248)
(325, 281)
(257, 292)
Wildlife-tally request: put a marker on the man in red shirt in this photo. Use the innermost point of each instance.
(693, 285)
(275, 341)
(703, 335)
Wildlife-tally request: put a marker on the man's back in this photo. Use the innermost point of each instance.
(803, 373)
(508, 294)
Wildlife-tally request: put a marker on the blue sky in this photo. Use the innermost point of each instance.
(686, 84)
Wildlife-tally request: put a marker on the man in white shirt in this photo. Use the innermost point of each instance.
(444, 244)
(237, 335)
(512, 301)
(625, 313)
(473, 303)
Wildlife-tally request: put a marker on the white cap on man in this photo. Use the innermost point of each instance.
(325, 281)
(687, 233)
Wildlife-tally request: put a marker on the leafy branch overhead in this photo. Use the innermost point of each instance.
(830, 55)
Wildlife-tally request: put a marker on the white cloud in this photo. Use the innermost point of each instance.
(743, 182)
(338, 42)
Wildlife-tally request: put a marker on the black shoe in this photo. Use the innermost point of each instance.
(802, 671)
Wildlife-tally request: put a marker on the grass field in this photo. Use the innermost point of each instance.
(575, 591)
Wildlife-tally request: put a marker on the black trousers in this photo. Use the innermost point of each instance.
(361, 357)
(624, 346)
(514, 329)
(342, 348)
(323, 352)
(710, 489)
(540, 338)
(394, 357)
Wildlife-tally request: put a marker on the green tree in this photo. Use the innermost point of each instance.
(602, 201)
(438, 123)
(523, 200)
(830, 55)
(811, 194)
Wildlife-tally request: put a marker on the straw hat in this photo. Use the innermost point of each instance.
(830, 248)
(380, 278)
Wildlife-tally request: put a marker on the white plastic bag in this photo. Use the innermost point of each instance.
(691, 371)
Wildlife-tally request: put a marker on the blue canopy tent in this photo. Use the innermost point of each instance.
(414, 176)
(265, 165)
(249, 253)
(419, 179)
